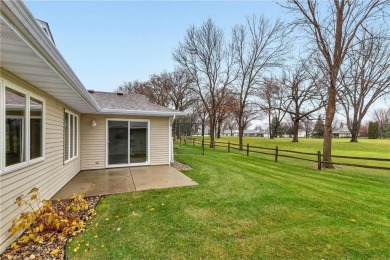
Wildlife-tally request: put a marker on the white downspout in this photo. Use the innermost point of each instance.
(171, 153)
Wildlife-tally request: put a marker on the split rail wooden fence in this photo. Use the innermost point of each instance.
(277, 152)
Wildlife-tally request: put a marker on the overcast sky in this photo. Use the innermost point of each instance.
(108, 42)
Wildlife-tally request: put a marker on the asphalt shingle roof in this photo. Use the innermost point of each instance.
(132, 102)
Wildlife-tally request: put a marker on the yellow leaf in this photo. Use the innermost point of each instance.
(33, 190)
(25, 239)
(54, 252)
(34, 197)
(14, 245)
(41, 227)
(107, 219)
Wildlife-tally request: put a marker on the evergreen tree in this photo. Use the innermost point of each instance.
(318, 130)
(387, 130)
(373, 130)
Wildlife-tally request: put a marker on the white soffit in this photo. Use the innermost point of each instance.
(20, 58)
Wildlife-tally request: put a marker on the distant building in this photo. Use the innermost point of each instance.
(341, 133)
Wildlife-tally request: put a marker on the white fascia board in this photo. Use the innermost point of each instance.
(30, 31)
(141, 113)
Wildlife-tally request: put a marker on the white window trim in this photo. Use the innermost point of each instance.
(147, 162)
(73, 136)
(4, 169)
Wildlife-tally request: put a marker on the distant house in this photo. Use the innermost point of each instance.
(229, 132)
(247, 133)
(341, 133)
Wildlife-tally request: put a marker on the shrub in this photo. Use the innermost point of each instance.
(50, 219)
(373, 130)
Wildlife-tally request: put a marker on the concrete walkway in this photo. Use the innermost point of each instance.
(120, 180)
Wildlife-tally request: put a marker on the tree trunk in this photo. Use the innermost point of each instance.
(330, 111)
(240, 135)
(270, 126)
(219, 130)
(355, 131)
(212, 132)
(295, 131)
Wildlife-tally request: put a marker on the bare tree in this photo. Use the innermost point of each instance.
(271, 99)
(307, 126)
(231, 124)
(302, 94)
(226, 109)
(179, 90)
(365, 78)
(169, 89)
(152, 90)
(259, 45)
(382, 116)
(208, 60)
(332, 35)
(266, 95)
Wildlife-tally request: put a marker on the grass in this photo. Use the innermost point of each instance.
(246, 207)
(377, 148)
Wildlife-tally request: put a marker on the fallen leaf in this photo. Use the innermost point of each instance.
(55, 251)
(118, 229)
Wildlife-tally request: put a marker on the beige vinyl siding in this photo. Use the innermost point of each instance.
(93, 140)
(48, 175)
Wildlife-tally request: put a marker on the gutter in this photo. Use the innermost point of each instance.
(141, 112)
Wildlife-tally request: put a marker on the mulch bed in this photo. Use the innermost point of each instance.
(180, 166)
(32, 250)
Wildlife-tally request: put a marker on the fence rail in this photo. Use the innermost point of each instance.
(318, 158)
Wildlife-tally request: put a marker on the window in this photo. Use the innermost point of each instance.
(70, 136)
(36, 128)
(21, 128)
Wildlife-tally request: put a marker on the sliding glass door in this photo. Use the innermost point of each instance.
(127, 142)
(118, 144)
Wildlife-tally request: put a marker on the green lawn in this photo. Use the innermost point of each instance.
(246, 207)
(377, 148)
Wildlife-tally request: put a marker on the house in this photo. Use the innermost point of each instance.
(228, 132)
(51, 127)
(341, 133)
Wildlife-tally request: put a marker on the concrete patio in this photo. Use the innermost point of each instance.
(120, 180)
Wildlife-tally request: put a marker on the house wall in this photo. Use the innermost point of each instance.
(93, 140)
(49, 175)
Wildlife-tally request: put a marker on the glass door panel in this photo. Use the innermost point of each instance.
(118, 142)
(138, 142)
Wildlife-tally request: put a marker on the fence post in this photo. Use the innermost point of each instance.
(319, 160)
(229, 147)
(180, 139)
(276, 154)
(214, 145)
(247, 149)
